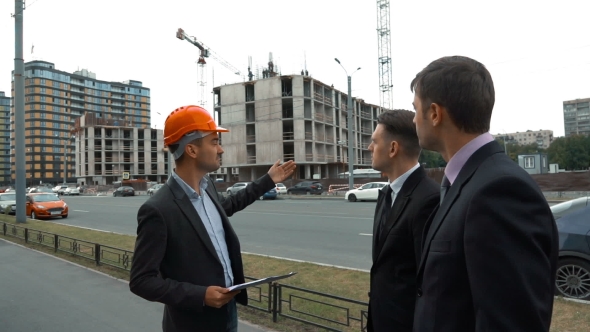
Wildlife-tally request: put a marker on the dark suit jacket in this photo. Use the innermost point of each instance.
(175, 261)
(490, 253)
(396, 253)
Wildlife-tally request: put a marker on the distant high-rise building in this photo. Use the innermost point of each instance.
(576, 117)
(54, 99)
(4, 139)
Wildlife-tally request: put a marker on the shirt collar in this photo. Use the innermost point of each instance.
(460, 158)
(396, 185)
(188, 190)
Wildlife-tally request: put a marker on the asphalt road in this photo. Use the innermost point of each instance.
(331, 232)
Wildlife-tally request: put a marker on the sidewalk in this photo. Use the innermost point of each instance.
(44, 293)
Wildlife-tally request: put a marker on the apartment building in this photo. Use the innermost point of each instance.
(576, 117)
(291, 118)
(54, 99)
(107, 151)
(543, 138)
(4, 139)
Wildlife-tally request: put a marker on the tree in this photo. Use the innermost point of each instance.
(577, 153)
(431, 159)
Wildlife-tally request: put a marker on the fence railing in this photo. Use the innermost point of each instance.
(322, 310)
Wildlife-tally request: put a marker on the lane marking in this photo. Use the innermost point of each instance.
(365, 234)
(80, 211)
(302, 261)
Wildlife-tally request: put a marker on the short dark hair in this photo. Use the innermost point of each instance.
(174, 147)
(463, 86)
(399, 125)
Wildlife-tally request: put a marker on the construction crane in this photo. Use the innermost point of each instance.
(384, 44)
(204, 52)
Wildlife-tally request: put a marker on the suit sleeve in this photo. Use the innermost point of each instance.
(419, 222)
(510, 238)
(245, 197)
(150, 248)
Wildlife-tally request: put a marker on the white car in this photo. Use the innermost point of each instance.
(8, 201)
(236, 187)
(366, 192)
(71, 191)
(281, 189)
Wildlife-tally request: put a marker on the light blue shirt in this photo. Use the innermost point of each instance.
(396, 185)
(212, 220)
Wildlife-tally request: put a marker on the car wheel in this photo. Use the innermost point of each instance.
(351, 198)
(64, 216)
(261, 198)
(33, 215)
(573, 278)
(114, 195)
(288, 192)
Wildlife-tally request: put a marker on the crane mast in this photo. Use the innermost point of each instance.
(384, 44)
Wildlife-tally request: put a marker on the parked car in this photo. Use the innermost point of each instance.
(58, 187)
(124, 191)
(40, 190)
(236, 187)
(271, 194)
(153, 189)
(281, 189)
(45, 205)
(8, 200)
(366, 192)
(306, 187)
(573, 268)
(71, 191)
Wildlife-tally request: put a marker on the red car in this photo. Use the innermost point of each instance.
(45, 205)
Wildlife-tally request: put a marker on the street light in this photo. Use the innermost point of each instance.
(350, 151)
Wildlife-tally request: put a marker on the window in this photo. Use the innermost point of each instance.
(529, 162)
(43, 82)
(43, 124)
(55, 125)
(43, 141)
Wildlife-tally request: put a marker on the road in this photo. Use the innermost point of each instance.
(331, 232)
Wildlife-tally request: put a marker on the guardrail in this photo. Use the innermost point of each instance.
(326, 311)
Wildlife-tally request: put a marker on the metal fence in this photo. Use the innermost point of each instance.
(325, 311)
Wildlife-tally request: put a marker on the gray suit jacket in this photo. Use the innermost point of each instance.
(175, 261)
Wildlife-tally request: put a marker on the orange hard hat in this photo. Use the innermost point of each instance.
(186, 119)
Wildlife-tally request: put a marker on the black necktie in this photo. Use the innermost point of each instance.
(386, 208)
(444, 188)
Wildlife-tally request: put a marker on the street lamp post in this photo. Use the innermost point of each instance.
(350, 141)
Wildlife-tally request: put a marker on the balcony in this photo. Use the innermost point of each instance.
(250, 138)
(309, 157)
(251, 160)
(288, 136)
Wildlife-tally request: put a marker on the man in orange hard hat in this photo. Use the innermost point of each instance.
(187, 253)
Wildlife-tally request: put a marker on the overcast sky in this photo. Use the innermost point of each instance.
(537, 52)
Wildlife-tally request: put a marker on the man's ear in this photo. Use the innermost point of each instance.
(190, 150)
(436, 114)
(393, 149)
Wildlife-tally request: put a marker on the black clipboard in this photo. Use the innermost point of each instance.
(260, 282)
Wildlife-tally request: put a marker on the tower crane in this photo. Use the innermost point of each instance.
(384, 45)
(204, 52)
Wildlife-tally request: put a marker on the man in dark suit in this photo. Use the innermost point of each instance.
(187, 253)
(402, 209)
(490, 253)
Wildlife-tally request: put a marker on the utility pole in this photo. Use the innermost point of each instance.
(350, 134)
(19, 112)
(65, 141)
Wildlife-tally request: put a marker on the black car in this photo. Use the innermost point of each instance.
(573, 269)
(124, 191)
(306, 187)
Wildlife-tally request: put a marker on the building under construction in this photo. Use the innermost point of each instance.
(291, 117)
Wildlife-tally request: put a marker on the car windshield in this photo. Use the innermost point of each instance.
(7, 197)
(565, 208)
(46, 198)
(280, 185)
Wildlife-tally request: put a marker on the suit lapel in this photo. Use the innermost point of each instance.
(399, 205)
(463, 178)
(187, 208)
